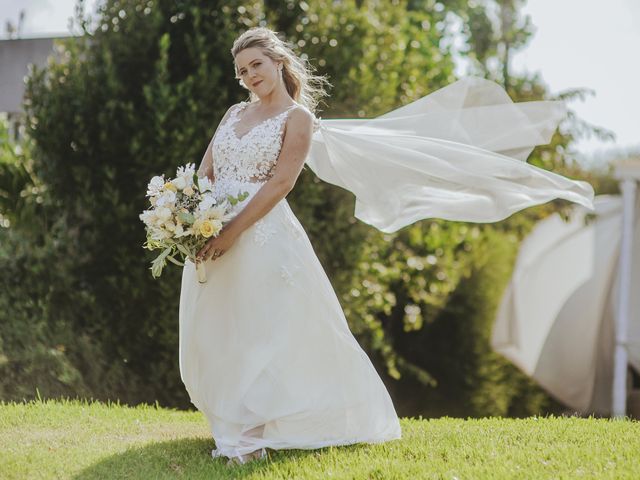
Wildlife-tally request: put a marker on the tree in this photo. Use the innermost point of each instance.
(141, 94)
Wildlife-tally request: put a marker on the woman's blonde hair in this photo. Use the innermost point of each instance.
(303, 86)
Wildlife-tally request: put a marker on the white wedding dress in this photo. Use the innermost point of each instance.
(265, 350)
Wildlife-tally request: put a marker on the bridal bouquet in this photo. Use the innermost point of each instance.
(184, 214)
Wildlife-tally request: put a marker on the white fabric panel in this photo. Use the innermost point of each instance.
(458, 154)
(556, 318)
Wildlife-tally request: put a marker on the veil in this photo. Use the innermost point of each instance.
(458, 153)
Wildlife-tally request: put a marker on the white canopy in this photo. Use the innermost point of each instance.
(557, 316)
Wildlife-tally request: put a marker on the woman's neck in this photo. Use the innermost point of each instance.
(275, 99)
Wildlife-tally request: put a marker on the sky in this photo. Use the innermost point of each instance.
(592, 44)
(577, 44)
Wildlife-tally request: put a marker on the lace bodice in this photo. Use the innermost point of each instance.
(246, 157)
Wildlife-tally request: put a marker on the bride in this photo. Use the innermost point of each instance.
(265, 350)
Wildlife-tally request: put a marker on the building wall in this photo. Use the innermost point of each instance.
(15, 57)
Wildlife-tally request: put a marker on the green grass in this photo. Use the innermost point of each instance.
(91, 440)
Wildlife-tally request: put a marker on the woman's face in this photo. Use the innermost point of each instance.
(258, 72)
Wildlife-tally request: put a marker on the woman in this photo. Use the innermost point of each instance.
(265, 350)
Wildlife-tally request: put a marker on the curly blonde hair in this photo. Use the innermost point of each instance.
(301, 84)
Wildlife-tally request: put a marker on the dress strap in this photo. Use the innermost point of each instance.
(239, 107)
(316, 120)
(285, 113)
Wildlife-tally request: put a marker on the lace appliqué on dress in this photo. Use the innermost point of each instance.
(286, 272)
(263, 232)
(251, 156)
(245, 162)
(292, 227)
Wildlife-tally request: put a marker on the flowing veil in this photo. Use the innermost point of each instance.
(458, 153)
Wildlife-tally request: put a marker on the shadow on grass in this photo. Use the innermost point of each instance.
(189, 458)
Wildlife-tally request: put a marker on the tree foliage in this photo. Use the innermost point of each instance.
(141, 93)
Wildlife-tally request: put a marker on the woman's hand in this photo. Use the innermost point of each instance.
(217, 246)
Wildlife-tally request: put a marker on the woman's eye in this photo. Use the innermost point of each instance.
(243, 72)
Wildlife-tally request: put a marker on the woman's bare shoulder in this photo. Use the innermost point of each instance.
(302, 114)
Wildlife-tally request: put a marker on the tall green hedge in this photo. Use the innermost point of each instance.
(136, 97)
(142, 94)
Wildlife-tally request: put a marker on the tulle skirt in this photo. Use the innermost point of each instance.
(266, 352)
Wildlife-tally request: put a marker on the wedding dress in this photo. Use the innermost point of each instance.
(265, 350)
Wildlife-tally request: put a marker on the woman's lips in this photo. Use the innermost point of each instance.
(257, 83)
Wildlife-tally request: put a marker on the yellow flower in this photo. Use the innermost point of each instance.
(170, 186)
(206, 229)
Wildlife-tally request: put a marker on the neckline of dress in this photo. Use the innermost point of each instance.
(243, 105)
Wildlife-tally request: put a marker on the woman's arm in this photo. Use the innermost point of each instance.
(295, 147)
(206, 164)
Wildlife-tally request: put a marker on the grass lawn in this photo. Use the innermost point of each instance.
(83, 440)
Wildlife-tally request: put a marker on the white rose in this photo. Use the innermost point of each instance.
(166, 198)
(155, 186)
(163, 214)
(207, 202)
(148, 217)
(179, 183)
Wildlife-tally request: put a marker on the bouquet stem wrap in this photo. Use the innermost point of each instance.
(202, 273)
